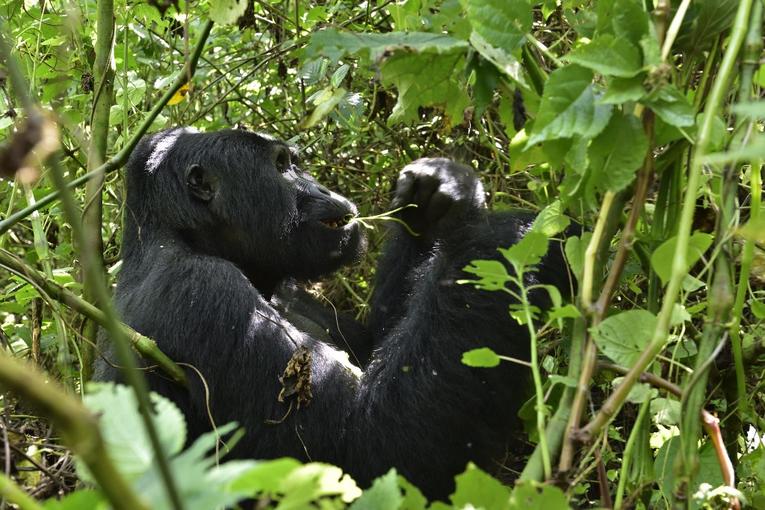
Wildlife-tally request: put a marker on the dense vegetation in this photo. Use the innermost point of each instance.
(642, 120)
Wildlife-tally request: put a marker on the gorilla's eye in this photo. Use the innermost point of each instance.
(282, 160)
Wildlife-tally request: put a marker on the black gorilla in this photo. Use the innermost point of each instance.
(218, 227)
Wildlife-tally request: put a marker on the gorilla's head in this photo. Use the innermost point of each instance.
(240, 196)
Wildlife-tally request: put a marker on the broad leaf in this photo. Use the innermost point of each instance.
(617, 153)
(568, 107)
(384, 493)
(476, 489)
(663, 256)
(527, 252)
(492, 274)
(533, 495)
(502, 24)
(624, 336)
(483, 357)
(671, 105)
(609, 56)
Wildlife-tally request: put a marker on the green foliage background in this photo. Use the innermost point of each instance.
(640, 119)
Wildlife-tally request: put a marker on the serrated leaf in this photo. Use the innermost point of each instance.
(671, 105)
(426, 79)
(621, 90)
(503, 60)
(476, 489)
(492, 274)
(551, 221)
(704, 20)
(624, 336)
(617, 153)
(335, 44)
(527, 252)
(575, 248)
(630, 20)
(384, 494)
(662, 257)
(123, 430)
(224, 12)
(568, 107)
(609, 56)
(532, 495)
(482, 357)
(502, 24)
(568, 311)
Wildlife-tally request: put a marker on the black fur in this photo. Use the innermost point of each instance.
(218, 226)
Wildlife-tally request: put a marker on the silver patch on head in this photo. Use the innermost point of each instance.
(163, 142)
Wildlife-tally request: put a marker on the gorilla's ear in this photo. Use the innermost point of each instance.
(201, 184)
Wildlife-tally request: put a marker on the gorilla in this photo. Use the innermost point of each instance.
(221, 228)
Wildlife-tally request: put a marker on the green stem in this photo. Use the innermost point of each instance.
(121, 157)
(658, 340)
(14, 494)
(628, 450)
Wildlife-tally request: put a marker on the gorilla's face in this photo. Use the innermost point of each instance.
(247, 201)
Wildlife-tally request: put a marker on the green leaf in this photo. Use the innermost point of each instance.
(413, 498)
(575, 248)
(609, 56)
(621, 90)
(324, 107)
(671, 105)
(426, 79)
(704, 20)
(527, 252)
(385, 494)
(312, 481)
(532, 495)
(334, 44)
(503, 60)
(551, 221)
(664, 469)
(630, 20)
(492, 274)
(476, 489)
(83, 498)
(568, 107)
(123, 430)
(624, 336)
(502, 24)
(224, 12)
(662, 257)
(568, 311)
(480, 358)
(617, 153)
(265, 476)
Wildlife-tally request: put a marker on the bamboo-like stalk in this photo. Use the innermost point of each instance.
(92, 212)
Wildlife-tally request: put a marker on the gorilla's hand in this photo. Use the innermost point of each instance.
(444, 192)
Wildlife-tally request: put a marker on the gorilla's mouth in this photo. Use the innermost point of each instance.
(336, 223)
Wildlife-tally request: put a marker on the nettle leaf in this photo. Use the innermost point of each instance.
(609, 56)
(551, 221)
(617, 153)
(334, 44)
(504, 61)
(426, 79)
(568, 107)
(528, 495)
(630, 20)
(501, 23)
(492, 274)
(704, 20)
(224, 12)
(527, 252)
(122, 427)
(621, 90)
(624, 336)
(476, 489)
(483, 357)
(671, 105)
(384, 493)
(663, 256)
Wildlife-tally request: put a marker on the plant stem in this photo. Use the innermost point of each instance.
(145, 346)
(10, 491)
(99, 133)
(679, 266)
(78, 427)
(121, 157)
